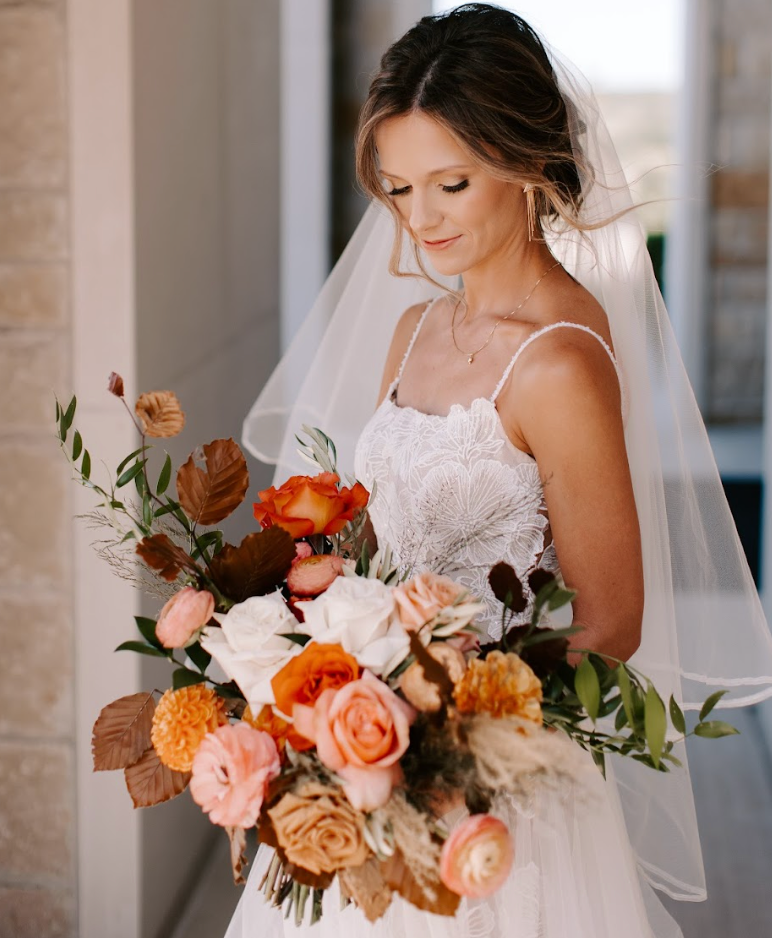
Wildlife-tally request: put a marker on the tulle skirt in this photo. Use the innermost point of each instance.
(574, 876)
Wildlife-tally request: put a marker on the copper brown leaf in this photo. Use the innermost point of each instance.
(399, 878)
(367, 887)
(256, 567)
(122, 732)
(160, 413)
(209, 495)
(151, 782)
(238, 839)
(168, 559)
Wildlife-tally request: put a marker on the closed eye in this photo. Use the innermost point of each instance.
(459, 187)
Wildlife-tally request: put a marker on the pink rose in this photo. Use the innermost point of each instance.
(360, 730)
(182, 616)
(477, 857)
(231, 771)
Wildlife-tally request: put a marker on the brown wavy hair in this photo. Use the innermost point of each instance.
(483, 74)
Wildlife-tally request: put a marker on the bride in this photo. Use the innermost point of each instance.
(532, 408)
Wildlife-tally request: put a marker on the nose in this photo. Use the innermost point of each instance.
(424, 215)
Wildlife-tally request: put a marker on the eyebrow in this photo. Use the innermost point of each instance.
(435, 172)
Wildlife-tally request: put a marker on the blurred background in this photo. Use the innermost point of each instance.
(176, 181)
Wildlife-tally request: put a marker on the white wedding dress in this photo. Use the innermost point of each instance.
(453, 491)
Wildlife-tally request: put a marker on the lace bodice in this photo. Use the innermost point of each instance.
(453, 494)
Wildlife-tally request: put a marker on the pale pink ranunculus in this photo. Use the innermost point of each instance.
(477, 856)
(360, 731)
(231, 771)
(302, 550)
(185, 614)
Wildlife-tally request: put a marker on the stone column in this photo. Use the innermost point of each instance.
(37, 773)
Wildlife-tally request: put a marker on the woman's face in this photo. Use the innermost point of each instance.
(451, 207)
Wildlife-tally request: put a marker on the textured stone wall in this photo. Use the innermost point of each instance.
(739, 211)
(37, 788)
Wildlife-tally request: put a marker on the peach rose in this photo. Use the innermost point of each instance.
(421, 598)
(360, 732)
(477, 857)
(316, 669)
(183, 616)
(231, 772)
(310, 576)
(423, 694)
(310, 505)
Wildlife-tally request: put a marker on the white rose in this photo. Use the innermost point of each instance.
(360, 614)
(249, 646)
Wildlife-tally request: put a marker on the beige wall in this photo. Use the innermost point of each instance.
(139, 174)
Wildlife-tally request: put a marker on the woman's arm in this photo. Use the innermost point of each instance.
(572, 422)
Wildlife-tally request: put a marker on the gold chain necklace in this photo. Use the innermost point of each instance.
(517, 309)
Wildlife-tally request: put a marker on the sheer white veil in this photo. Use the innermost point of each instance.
(704, 628)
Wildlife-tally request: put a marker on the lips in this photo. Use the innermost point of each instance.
(440, 245)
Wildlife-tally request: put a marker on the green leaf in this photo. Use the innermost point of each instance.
(139, 484)
(68, 416)
(229, 690)
(655, 724)
(122, 465)
(164, 510)
(130, 473)
(715, 729)
(599, 758)
(560, 597)
(58, 410)
(147, 630)
(142, 649)
(77, 445)
(587, 688)
(623, 682)
(677, 716)
(711, 702)
(620, 720)
(297, 637)
(671, 758)
(184, 677)
(85, 466)
(166, 475)
(198, 656)
(147, 510)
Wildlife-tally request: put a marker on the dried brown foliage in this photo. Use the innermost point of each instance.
(151, 782)
(122, 732)
(399, 877)
(367, 887)
(115, 384)
(160, 413)
(238, 839)
(161, 554)
(256, 567)
(209, 495)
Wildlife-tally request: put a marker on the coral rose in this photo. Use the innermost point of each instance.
(181, 720)
(477, 857)
(231, 771)
(310, 576)
(183, 616)
(360, 732)
(424, 694)
(306, 505)
(502, 685)
(319, 830)
(280, 730)
(316, 669)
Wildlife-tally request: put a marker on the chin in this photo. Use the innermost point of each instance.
(447, 266)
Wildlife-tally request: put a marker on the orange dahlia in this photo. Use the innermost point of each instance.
(502, 685)
(181, 720)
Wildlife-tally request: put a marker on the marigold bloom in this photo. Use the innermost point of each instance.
(502, 685)
(181, 720)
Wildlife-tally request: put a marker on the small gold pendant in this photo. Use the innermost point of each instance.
(470, 359)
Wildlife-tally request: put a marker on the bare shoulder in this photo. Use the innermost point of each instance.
(403, 332)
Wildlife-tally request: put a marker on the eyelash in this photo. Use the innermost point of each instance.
(459, 187)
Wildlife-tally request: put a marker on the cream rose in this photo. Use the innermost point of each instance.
(250, 646)
(319, 830)
(360, 615)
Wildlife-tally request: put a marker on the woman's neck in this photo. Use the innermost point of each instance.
(498, 285)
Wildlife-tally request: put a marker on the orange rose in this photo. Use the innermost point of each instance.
(317, 668)
(280, 731)
(310, 505)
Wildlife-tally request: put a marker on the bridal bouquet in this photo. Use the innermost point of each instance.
(355, 706)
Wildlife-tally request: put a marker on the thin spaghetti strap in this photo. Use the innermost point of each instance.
(558, 325)
(411, 343)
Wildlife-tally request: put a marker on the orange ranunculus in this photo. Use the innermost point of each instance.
(310, 505)
(317, 668)
(278, 729)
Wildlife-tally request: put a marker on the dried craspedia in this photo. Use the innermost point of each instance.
(502, 685)
(160, 413)
(181, 720)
